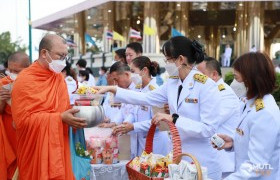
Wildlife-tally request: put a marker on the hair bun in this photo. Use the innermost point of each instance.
(199, 53)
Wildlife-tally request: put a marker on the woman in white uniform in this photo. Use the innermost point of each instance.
(142, 71)
(193, 99)
(257, 138)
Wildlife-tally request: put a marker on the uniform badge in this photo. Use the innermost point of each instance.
(144, 108)
(221, 87)
(69, 79)
(240, 131)
(173, 77)
(189, 100)
(259, 104)
(151, 87)
(200, 78)
(138, 86)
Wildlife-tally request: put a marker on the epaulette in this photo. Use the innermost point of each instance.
(221, 87)
(138, 86)
(200, 78)
(151, 87)
(259, 104)
(173, 77)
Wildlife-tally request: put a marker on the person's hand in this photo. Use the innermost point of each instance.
(107, 125)
(4, 94)
(68, 118)
(166, 108)
(228, 142)
(104, 89)
(123, 128)
(161, 117)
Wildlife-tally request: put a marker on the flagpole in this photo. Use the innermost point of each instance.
(30, 31)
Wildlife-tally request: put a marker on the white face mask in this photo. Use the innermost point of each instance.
(172, 69)
(136, 78)
(7, 72)
(80, 79)
(57, 65)
(114, 61)
(100, 73)
(13, 76)
(239, 88)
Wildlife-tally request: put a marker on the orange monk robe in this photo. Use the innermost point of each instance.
(8, 141)
(39, 97)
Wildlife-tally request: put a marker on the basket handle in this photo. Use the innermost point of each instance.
(197, 164)
(176, 141)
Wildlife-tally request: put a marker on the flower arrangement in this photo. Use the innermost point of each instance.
(85, 90)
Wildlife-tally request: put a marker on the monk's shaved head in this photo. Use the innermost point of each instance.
(20, 58)
(49, 41)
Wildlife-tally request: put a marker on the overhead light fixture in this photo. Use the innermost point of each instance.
(234, 29)
(240, 4)
(138, 22)
(199, 36)
(109, 10)
(89, 17)
(94, 25)
(178, 4)
(204, 9)
(61, 25)
(223, 36)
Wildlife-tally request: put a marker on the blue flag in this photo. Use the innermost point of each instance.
(175, 32)
(89, 39)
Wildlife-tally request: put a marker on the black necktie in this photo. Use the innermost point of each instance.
(179, 92)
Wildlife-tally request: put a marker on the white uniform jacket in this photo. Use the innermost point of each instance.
(142, 116)
(257, 141)
(229, 119)
(198, 109)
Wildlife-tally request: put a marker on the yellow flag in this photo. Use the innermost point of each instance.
(148, 30)
(117, 36)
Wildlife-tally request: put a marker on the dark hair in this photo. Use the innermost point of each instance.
(121, 54)
(46, 42)
(181, 45)
(137, 47)
(104, 69)
(143, 61)
(82, 63)
(84, 73)
(89, 70)
(257, 72)
(119, 67)
(69, 71)
(213, 64)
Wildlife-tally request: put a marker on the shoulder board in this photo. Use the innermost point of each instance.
(221, 87)
(151, 87)
(259, 104)
(173, 77)
(200, 78)
(69, 79)
(138, 86)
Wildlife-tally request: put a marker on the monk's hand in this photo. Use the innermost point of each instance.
(228, 142)
(123, 128)
(4, 94)
(69, 118)
(104, 89)
(161, 117)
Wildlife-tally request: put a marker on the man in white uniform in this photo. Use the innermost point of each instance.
(81, 65)
(227, 56)
(229, 110)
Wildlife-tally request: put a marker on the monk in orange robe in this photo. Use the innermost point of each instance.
(42, 114)
(16, 63)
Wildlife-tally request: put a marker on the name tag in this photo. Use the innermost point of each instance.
(189, 100)
(144, 108)
(240, 131)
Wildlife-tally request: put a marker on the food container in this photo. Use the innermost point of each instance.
(93, 115)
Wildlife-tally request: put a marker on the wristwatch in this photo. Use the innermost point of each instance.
(175, 117)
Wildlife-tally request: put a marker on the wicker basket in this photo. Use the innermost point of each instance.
(177, 153)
